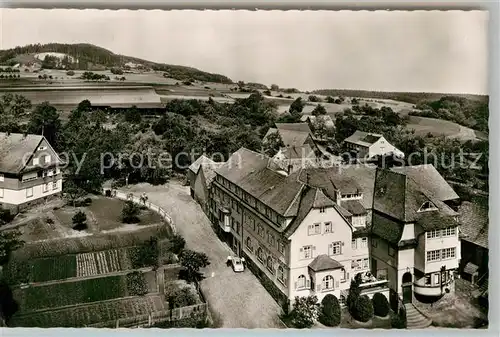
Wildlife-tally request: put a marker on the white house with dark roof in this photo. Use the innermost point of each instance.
(370, 145)
(200, 174)
(292, 228)
(415, 237)
(29, 171)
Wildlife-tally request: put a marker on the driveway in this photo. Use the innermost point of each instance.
(237, 299)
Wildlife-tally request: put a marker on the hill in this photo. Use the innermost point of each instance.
(409, 97)
(90, 57)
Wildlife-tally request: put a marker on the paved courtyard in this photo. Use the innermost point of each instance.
(238, 300)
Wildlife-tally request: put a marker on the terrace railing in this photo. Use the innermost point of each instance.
(144, 202)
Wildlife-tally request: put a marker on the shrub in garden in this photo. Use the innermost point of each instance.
(182, 297)
(5, 216)
(136, 284)
(50, 221)
(130, 213)
(192, 262)
(145, 255)
(177, 244)
(380, 305)
(304, 312)
(329, 314)
(79, 221)
(70, 73)
(398, 321)
(354, 293)
(363, 310)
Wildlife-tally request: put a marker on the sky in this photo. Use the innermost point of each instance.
(420, 51)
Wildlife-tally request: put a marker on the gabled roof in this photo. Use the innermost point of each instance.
(363, 138)
(209, 172)
(354, 207)
(297, 127)
(324, 262)
(429, 178)
(194, 167)
(314, 119)
(474, 223)
(321, 200)
(15, 150)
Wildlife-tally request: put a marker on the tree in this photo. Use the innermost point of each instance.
(79, 221)
(177, 244)
(72, 192)
(9, 241)
(297, 106)
(272, 144)
(330, 313)
(363, 309)
(133, 115)
(313, 98)
(330, 99)
(354, 293)
(354, 101)
(192, 262)
(319, 110)
(44, 120)
(380, 305)
(275, 87)
(130, 212)
(304, 312)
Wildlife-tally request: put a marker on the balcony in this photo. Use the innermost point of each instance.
(225, 223)
(370, 283)
(436, 290)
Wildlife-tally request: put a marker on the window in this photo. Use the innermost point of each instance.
(301, 282)
(391, 252)
(2, 177)
(281, 247)
(343, 274)
(314, 229)
(306, 252)
(1, 192)
(328, 227)
(365, 263)
(269, 264)
(253, 224)
(335, 248)
(342, 300)
(356, 264)
(322, 210)
(281, 275)
(448, 253)
(47, 159)
(354, 244)
(427, 206)
(436, 278)
(237, 227)
(46, 187)
(260, 255)
(248, 243)
(260, 230)
(232, 223)
(36, 161)
(54, 185)
(327, 282)
(434, 255)
(270, 239)
(445, 232)
(364, 242)
(41, 148)
(29, 192)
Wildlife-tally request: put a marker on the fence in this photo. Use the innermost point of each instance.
(143, 201)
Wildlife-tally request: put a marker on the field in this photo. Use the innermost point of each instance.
(91, 314)
(436, 127)
(59, 268)
(71, 293)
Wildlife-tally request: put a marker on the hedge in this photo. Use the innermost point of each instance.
(363, 310)
(330, 311)
(380, 305)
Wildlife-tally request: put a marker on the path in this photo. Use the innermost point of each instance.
(239, 299)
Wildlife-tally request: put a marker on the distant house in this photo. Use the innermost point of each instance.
(314, 120)
(29, 171)
(200, 175)
(370, 145)
(293, 134)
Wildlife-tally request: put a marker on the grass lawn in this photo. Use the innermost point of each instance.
(54, 268)
(71, 293)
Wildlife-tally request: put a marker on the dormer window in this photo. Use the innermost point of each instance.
(427, 206)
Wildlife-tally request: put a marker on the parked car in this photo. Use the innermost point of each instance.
(237, 265)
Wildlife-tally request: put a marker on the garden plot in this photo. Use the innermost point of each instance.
(54, 268)
(85, 315)
(70, 293)
(103, 262)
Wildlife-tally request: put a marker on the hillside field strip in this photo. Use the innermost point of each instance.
(89, 314)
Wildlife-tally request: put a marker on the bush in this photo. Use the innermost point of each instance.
(87, 201)
(177, 244)
(130, 213)
(145, 255)
(363, 310)
(5, 216)
(70, 73)
(50, 221)
(380, 305)
(304, 312)
(399, 321)
(80, 221)
(178, 298)
(136, 284)
(330, 311)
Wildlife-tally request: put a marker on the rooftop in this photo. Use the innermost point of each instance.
(363, 138)
(14, 148)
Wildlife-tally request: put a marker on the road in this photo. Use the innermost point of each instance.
(237, 300)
